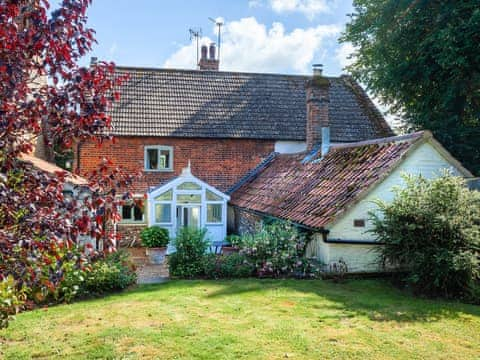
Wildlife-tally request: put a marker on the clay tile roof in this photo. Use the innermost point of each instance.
(315, 193)
(217, 104)
(50, 168)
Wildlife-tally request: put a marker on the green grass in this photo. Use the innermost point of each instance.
(254, 319)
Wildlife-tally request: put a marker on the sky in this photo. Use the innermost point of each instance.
(275, 36)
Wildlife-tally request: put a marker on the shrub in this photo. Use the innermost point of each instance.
(431, 231)
(11, 300)
(227, 266)
(114, 272)
(191, 247)
(276, 250)
(154, 236)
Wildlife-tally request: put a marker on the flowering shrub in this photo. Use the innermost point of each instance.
(232, 266)
(278, 249)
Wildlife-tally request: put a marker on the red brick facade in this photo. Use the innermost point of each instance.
(219, 162)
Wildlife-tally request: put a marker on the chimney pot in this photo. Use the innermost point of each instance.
(209, 63)
(212, 51)
(317, 69)
(204, 52)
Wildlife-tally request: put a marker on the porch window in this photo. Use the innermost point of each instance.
(189, 185)
(166, 196)
(163, 213)
(189, 199)
(212, 196)
(158, 158)
(214, 213)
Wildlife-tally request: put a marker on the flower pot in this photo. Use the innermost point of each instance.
(227, 249)
(156, 255)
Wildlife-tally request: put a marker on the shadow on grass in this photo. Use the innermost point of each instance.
(377, 300)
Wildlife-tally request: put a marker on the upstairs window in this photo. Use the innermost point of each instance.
(158, 158)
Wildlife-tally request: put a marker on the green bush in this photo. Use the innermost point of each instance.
(232, 266)
(278, 249)
(154, 236)
(114, 272)
(431, 231)
(187, 260)
(11, 300)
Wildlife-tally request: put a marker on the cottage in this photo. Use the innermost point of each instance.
(225, 124)
(332, 193)
(223, 150)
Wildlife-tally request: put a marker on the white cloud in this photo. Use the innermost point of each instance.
(343, 54)
(250, 46)
(309, 8)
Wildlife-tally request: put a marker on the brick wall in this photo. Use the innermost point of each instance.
(219, 162)
(130, 235)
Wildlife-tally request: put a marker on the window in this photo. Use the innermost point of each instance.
(213, 197)
(188, 185)
(214, 213)
(359, 223)
(163, 213)
(132, 213)
(166, 196)
(158, 158)
(189, 199)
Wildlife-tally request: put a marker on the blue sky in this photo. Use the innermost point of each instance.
(284, 36)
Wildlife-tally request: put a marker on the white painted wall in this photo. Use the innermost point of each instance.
(290, 147)
(425, 160)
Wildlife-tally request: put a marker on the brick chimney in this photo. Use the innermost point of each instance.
(209, 63)
(318, 99)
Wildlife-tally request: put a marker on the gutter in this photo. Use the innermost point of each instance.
(351, 242)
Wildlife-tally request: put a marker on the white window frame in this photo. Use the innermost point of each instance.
(158, 148)
(163, 202)
(222, 219)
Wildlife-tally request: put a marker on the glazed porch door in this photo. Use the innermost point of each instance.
(188, 216)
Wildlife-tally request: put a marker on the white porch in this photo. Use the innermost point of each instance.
(187, 201)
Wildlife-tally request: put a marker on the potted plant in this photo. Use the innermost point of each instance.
(155, 240)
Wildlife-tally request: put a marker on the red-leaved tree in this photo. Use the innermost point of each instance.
(44, 90)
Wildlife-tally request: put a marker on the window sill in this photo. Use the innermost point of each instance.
(132, 223)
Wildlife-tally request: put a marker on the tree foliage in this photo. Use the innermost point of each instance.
(431, 230)
(423, 57)
(38, 224)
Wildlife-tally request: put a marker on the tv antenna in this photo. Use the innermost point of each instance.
(195, 33)
(219, 23)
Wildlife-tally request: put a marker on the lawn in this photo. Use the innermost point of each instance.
(254, 319)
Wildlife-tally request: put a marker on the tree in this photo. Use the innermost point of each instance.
(422, 58)
(431, 231)
(37, 223)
